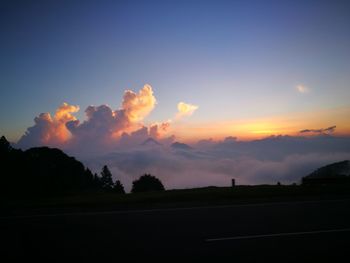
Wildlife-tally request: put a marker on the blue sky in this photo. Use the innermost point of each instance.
(234, 59)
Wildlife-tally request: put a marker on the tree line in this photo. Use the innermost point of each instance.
(44, 171)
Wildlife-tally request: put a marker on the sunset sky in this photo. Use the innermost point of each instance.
(248, 69)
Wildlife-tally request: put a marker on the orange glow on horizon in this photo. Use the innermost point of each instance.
(191, 131)
(253, 129)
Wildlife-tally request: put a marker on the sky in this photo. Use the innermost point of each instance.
(239, 61)
(107, 75)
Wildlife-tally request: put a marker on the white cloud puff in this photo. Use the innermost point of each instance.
(185, 110)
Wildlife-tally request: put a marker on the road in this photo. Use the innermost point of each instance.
(286, 232)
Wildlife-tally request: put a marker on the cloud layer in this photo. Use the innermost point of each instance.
(278, 158)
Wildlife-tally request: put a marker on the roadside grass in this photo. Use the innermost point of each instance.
(174, 198)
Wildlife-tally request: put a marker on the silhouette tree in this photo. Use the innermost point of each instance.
(118, 187)
(106, 178)
(147, 183)
(97, 181)
(89, 174)
(6, 170)
(90, 181)
(5, 146)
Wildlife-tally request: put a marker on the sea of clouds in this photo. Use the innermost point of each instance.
(119, 138)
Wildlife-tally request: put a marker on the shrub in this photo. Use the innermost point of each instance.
(147, 183)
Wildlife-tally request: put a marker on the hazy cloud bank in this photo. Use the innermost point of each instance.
(281, 158)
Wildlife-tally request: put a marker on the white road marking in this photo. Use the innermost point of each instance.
(279, 235)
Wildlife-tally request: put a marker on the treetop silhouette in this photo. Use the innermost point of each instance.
(147, 183)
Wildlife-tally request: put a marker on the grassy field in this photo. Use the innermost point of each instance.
(174, 198)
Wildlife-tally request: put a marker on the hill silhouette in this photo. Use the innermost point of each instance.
(42, 171)
(151, 142)
(334, 173)
(181, 146)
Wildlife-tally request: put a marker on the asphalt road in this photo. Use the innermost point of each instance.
(286, 232)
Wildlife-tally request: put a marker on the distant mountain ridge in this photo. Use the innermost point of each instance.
(151, 141)
(181, 146)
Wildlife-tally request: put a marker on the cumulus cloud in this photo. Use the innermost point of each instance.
(157, 130)
(49, 130)
(185, 109)
(102, 127)
(102, 123)
(138, 105)
(302, 89)
(328, 130)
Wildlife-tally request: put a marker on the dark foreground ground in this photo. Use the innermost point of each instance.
(289, 231)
